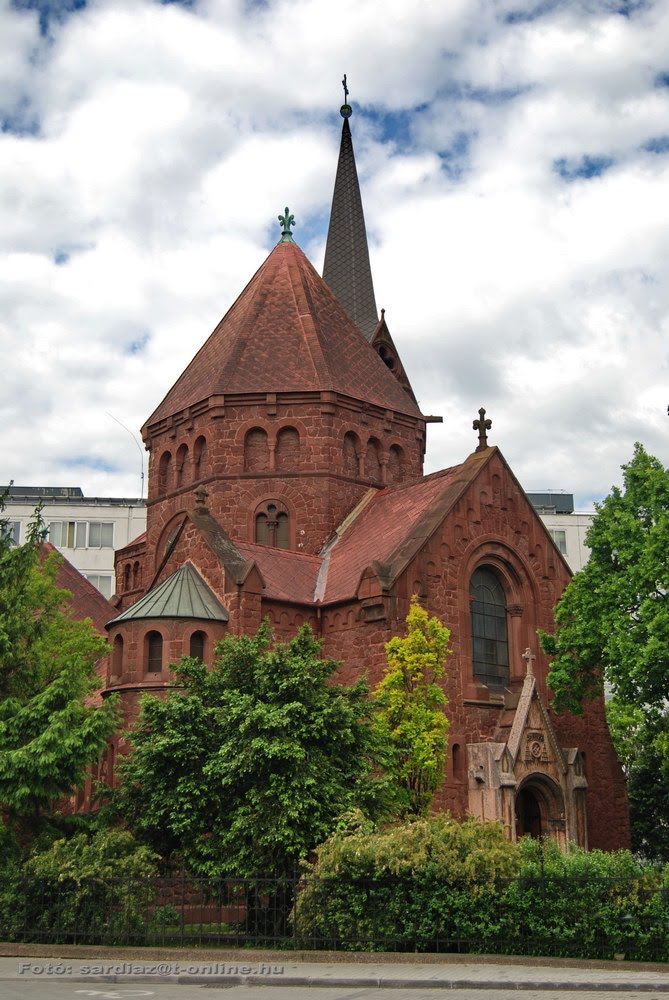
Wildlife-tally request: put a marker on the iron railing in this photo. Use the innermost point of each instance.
(588, 917)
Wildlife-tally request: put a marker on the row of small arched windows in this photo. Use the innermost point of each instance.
(153, 651)
(368, 461)
(184, 467)
(371, 461)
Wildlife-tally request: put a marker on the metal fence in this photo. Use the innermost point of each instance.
(588, 918)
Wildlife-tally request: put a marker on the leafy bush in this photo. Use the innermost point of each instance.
(425, 883)
(88, 888)
(437, 884)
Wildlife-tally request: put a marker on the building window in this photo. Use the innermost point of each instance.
(490, 646)
(165, 472)
(272, 525)
(199, 458)
(11, 530)
(102, 582)
(559, 536)
(82, 534)
(154, 652)
(197, 646)
(182, 464)
(117, 656)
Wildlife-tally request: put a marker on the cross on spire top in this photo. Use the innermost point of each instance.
(482, 425)
(346, 110)
(529, 658)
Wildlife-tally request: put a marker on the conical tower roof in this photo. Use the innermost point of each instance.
(287, 332)
(184, 594)
(346, 268)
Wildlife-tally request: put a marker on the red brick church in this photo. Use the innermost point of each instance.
(286, 480)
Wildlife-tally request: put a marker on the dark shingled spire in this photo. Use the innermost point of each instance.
(346, 269)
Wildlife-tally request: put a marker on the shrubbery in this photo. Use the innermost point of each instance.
(437, 884)
(86, 888)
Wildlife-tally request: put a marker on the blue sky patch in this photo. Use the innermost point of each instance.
(583, 167)
(20, 120)
(455, 159)
(658, 144)
(50, 11)
(532, 14)
(88, 462)
(137, 345)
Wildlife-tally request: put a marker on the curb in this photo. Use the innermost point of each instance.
(367, 982)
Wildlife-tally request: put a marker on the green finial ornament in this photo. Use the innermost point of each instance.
(345, 110)
(287, 220)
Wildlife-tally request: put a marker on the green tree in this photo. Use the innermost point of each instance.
(410, 706)
(641, 741)
(613, 618)
(50, 731)
(613, 627)
(246, 768)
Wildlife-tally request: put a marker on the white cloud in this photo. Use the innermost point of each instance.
(170, 138)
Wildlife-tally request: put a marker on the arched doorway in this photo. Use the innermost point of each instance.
(528, 814)
(540, 808)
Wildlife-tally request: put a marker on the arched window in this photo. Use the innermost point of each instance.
(456, 756)
(490, 645)
(272, 525)
(373, 461)
(154, 652)
(351, 448)
(287, 455)
(199, 458)
(256, 451)
(182, 464)
(136, 575)
(197, 646)
(165, 472)
(126, 576)
(395, 464)
(117, 656)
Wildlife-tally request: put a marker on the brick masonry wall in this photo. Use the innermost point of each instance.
(289, 450)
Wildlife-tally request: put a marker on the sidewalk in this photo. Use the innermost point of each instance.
(334, 969)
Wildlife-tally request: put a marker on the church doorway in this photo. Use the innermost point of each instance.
(540, 809)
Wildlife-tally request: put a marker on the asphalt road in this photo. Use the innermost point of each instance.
(52, 990)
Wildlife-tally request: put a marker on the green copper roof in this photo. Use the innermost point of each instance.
(184, 594)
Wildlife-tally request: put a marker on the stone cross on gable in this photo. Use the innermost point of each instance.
(529, 658)
(482, 425)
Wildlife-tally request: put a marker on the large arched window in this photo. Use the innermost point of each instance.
(490, 644)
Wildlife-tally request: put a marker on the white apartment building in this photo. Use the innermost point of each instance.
(567, 527)
(87, 530)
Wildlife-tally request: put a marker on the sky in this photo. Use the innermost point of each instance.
(513, 157)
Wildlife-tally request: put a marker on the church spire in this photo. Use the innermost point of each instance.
(346, 269)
